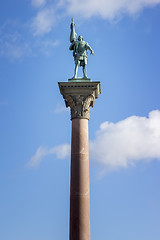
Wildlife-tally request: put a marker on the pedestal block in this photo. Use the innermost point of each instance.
(79, 97)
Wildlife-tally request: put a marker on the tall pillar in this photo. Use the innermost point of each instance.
(79, 187)
(79, 96)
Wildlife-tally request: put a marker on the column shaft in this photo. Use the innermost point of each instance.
(79, 185)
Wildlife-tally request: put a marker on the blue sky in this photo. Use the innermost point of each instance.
(35, 126)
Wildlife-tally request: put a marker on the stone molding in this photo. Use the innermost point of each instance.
(79, 97)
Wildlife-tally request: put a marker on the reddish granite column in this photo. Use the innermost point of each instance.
(79, 188)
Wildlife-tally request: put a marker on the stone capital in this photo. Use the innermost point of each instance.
(79, 96)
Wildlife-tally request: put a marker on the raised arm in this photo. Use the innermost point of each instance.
(73, 35)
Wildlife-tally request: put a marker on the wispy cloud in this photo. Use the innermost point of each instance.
(13, 46)
(43, 22)
(107, 9)
(45, 45)
(16, 42)
(117, 145)
(38, 3)
(46, 17)
(127, 142)
(61, 152)
(60, 109)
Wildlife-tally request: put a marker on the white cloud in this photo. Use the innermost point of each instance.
(38, 3)
(126, 142)
(43, 22)
(61, 152)
(107, 9)
(117, 145)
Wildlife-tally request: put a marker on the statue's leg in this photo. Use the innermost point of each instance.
(76, 69)
(84, 71)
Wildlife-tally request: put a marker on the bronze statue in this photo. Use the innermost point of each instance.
(79, 48)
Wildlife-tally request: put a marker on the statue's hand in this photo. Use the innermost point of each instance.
(92, 52)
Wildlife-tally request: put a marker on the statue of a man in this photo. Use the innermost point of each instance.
(79, 48)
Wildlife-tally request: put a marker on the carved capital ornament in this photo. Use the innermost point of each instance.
(80, 97)
(80, 105)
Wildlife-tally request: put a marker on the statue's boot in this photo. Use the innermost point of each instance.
(85, 76)
(75, 76)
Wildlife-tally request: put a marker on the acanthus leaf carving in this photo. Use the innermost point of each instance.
(79, 105)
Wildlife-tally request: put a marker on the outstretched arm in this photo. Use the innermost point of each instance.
(90, 49)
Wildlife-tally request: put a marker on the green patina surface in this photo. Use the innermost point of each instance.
(79, 80)
(80, 54)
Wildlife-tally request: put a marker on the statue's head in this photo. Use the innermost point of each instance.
(80, 38)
